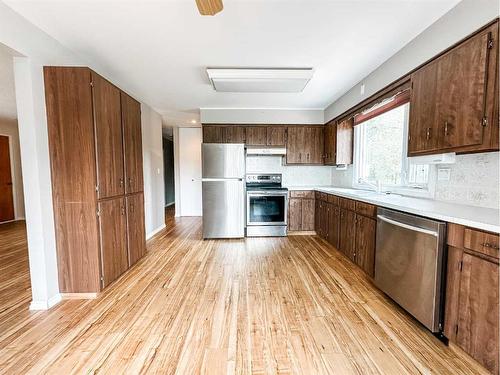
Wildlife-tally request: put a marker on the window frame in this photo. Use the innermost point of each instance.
(415, 190)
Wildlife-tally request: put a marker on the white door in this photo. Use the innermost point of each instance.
(190, 171)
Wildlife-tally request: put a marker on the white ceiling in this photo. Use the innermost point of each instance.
(158, 50)
(8, 109)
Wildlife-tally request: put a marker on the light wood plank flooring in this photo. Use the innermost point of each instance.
(255, 306)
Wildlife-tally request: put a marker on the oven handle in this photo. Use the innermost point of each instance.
(263, 194)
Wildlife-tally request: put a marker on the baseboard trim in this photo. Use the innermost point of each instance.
(302, 233)
(156, 231)
(45, 304)
(79, 295)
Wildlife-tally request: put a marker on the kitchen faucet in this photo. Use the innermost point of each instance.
(377, 186)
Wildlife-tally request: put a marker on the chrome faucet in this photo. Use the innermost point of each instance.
(377, 186)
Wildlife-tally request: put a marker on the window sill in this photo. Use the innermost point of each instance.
(408, 192)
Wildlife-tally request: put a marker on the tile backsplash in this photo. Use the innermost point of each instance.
(292, 175)
(474, 180)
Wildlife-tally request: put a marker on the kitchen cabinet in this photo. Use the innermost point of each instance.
(304, 145)
(366, 229)
(345, 139)
(472, 296)
(109, 138)
(136, 233)
(452, 99)
(347, 241)
(333, 226)
(213, 134)
(113, 241)
(330, 143)
(256, 135)
(96, 164)
(234, 134)
(276, 135)
(301, 211)
(132, 143)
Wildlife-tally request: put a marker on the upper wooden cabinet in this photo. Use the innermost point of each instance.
(256, 135)
(109, 138)
(224, 134)
(305, 145)
(453, 96)
(132, 143)
(96, 162)
(345, 139)
(276, 135)
(330, 143)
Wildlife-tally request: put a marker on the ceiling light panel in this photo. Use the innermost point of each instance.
(259, 80)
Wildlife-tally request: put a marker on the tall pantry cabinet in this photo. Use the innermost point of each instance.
(97, 180)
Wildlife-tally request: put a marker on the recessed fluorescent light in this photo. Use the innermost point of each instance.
(193, 121)
(259, 80)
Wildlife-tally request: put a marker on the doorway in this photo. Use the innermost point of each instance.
(6, 192)
(169, 171)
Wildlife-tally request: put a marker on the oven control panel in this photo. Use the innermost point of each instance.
(274, 178)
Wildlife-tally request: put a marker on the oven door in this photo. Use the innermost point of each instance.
(267, 208)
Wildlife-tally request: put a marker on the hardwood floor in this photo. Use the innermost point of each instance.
(256, 306)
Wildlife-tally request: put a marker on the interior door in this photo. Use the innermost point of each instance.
(132, 141)
(135, 228)
(462, 75)
(190, 171)
(109, 138)
(6, 193)
(113, 239)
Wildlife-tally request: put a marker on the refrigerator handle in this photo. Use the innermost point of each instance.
(222, 179)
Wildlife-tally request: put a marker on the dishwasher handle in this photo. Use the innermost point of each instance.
(407, 226)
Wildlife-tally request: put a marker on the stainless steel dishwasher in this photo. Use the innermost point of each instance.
(409, 264)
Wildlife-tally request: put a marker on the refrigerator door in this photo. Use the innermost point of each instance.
(223, 208)
(223, 160)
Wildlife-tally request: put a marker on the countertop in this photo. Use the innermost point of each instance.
(476, 217)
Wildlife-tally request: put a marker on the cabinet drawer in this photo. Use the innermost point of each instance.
(333, 199)
(366, 209)
(302, 194)
(482, 242)
(317, 195)
(347, 204)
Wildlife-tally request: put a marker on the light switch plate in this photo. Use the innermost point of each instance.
(444, 174)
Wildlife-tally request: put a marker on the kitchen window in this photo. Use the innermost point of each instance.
(380, 150)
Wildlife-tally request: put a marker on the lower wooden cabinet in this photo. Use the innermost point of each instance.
(333, 225)
(136, 233)
(113, 239)
(347, 243)
(472, 295)
(301, 211)
(366, 229)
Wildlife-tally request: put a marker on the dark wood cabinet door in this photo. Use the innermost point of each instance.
(256, 135)
(478, 310)
(135, 228)
(330, 143)
(234, 134)
(317, 217)
(295, 145)
(213, 134)
(423, 127)
(453, 272)
(113, 239)
(462, 84)
(308, 210)
(366, 229)
(294, 214)
(345, 138)
(333, 225)
(108, 138)
(316, 142)
(276, 135)
(132, 142)
(347, 240)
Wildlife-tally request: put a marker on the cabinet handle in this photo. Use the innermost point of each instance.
(132, 208)
(123, 210)
(428, 135)
(129, 182)
(121, 182)
(446, 128)
(486, 244)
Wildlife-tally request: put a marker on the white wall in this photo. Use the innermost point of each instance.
(304, 175)
(466, 17)
(188, 153)
(152, 153)
(260, 116)
(9, 128)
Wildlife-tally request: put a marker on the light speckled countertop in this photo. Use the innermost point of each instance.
(476, 217)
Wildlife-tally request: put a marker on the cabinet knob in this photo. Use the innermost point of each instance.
(446, 128)
(428, 134)
(121, 182)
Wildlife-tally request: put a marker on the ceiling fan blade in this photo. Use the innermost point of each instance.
(209, 7)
